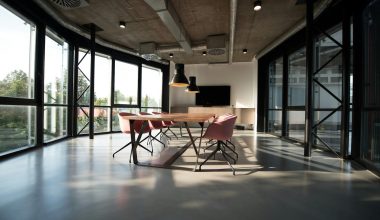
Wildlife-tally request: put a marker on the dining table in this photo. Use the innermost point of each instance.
(184, 118)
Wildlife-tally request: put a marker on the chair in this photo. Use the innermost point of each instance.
(221, 130)
(125, 128)
(154, 125)
(166, 124)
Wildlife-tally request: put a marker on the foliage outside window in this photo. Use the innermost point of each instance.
(17, 49)
(151, 87)
(55, 88)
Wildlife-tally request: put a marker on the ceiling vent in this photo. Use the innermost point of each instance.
(148, 51)
(67, 4)
(216, 44)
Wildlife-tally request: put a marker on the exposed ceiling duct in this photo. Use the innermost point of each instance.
(68, 4)
(233, 8)
(216, 44)
(169, 17)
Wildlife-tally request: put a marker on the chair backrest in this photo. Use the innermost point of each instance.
(221, 128)
(153, 124)
(124, 123)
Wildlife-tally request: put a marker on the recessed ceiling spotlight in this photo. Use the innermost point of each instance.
(245, 51)
(171, 55)
(257, 5)
(122, 24)
(204, 53)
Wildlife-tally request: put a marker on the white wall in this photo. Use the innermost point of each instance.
(242, 77)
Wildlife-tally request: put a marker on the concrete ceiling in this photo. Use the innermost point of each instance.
(200, 18)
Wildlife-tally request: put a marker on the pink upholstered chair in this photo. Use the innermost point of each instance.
(154, 125)
(221, 130)
(125, 128)
(167, 125)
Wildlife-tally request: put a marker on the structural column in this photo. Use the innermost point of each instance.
(346, 63)
(309, 80)
(92, 82)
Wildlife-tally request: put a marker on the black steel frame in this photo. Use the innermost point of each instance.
(314, 28)
(31, 11)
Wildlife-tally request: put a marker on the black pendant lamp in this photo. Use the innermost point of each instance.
(192, 88)
(179, 79)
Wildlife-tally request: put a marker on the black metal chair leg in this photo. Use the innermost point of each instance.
(233, 170)
(113, 155)
(167, 136)
(233, 145)
(209, 147)
(229, 156)
(237, 156)
(208, 157)
(172, 133)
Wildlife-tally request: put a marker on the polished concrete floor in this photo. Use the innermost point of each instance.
(79, 179)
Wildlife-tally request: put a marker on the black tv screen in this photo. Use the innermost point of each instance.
(213, 96)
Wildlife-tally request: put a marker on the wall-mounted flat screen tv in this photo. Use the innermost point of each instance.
(213, 96)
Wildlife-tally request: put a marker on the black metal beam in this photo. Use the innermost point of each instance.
(92, 83)
(285, 86)
(139, 86)
(346, 64)
(75, 92)
(39, 85)
(70, 93)
(309, 80)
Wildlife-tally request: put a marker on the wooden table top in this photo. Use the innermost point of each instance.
(177, 117)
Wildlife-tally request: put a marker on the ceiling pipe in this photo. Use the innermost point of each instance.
(301, 24)
(165, 10)
(62, 21)
(233, 8)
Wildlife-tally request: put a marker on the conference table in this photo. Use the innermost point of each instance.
(184, 118)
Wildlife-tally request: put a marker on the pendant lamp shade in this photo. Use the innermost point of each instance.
(192, 88)
(179, 79)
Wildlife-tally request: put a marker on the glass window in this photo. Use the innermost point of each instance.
(297, 75)
(275, 96)
(275, 121)
(17, 55)
(55, 87)
(103, 68)
(84, 74)
(151, 88)
(83, 120)
(102, 119)
(126, 83)
(17, 127)
(329, 130)
(296, 125)
(56, 70)
(370, 128)
(55, 122)
(331, 75)
(331, 78)
(275, 84)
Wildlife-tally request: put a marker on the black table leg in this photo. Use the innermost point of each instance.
(135, 142)
(200, 143)
(191, 138)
